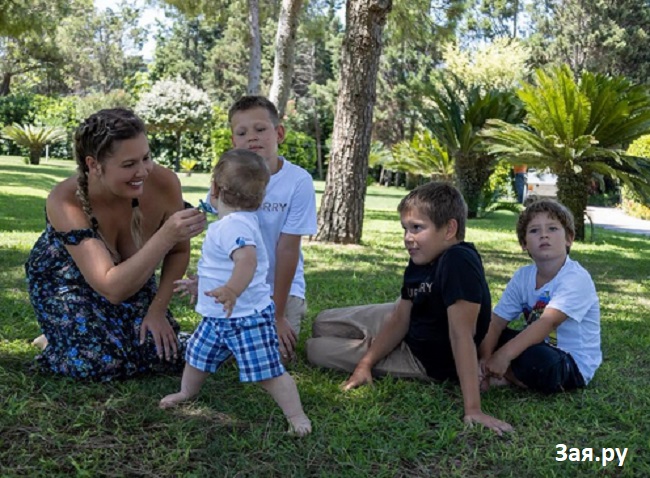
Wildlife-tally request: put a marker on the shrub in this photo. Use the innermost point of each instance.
(174, 106)
(632, 202)
(34, 138)
(300, 149)
(15, 109)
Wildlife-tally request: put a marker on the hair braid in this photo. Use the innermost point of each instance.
(96, 137)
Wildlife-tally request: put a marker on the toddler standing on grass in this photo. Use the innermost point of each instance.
(233, 295)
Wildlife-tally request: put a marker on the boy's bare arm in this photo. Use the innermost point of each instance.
(489, 343)
(391, 334)
(287, 253)
(462, 317)
(245, 259)
(535, 333)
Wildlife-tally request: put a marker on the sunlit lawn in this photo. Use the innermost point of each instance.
(56, 427)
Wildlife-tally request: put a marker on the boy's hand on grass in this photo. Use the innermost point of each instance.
(498, 426)
(287, 338)
(361, 376)
(190, 286)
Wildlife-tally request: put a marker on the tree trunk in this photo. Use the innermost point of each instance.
(472, 172)
(177, 160)
(573, 192)
(255, 65)
(285, 45)
(35, 156)
(319, 147)
(341, 213)
(5, 86)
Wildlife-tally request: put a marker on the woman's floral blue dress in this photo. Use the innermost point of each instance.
(88, 337)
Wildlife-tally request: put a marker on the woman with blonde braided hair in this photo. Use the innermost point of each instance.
(91, 274)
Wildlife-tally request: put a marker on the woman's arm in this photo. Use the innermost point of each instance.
(118, 282)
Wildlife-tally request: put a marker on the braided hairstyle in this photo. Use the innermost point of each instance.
(97, 137)
(241, 176)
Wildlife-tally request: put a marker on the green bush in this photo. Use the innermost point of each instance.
(220, 139)
(300, 149)
(15, 109)
(632, 202)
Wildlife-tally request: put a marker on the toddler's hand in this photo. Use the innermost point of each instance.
(226, 296)
(190, 286)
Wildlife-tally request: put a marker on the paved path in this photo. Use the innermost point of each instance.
(615, 219)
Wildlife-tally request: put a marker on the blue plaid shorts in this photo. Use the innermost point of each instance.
(253, 341)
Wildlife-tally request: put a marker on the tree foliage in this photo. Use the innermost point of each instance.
(173, 106)
(577, 128)
(500, 64)
(602, 36)
(459, 113)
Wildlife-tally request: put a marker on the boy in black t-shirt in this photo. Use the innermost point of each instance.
(440, 319)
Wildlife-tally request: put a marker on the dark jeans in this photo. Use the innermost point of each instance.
(543, 367)
(520, 184)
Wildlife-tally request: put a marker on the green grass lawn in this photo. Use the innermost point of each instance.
(398, 428)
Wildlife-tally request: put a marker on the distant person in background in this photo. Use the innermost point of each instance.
(91, 274)
(520, 181)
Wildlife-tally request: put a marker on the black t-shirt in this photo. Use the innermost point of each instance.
(457, 274)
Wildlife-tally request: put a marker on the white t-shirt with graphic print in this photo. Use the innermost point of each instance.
(571, 291)
(225, 236)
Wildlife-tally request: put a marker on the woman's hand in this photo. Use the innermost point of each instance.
(188, 286)
(184, 225)
(163, 335)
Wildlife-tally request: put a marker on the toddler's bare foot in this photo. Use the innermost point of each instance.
(174, 399)
(299, 425)
(40, 342)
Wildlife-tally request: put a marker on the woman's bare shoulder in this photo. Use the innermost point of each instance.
(63, 207)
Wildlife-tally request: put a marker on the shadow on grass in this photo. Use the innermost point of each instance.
(22, 213)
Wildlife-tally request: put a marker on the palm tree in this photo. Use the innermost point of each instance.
(460, 113)
(34, 138)
(423, 156)
(576, 129)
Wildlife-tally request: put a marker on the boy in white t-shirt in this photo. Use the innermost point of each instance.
(287, 212)
(233, 294)
(555, 294)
